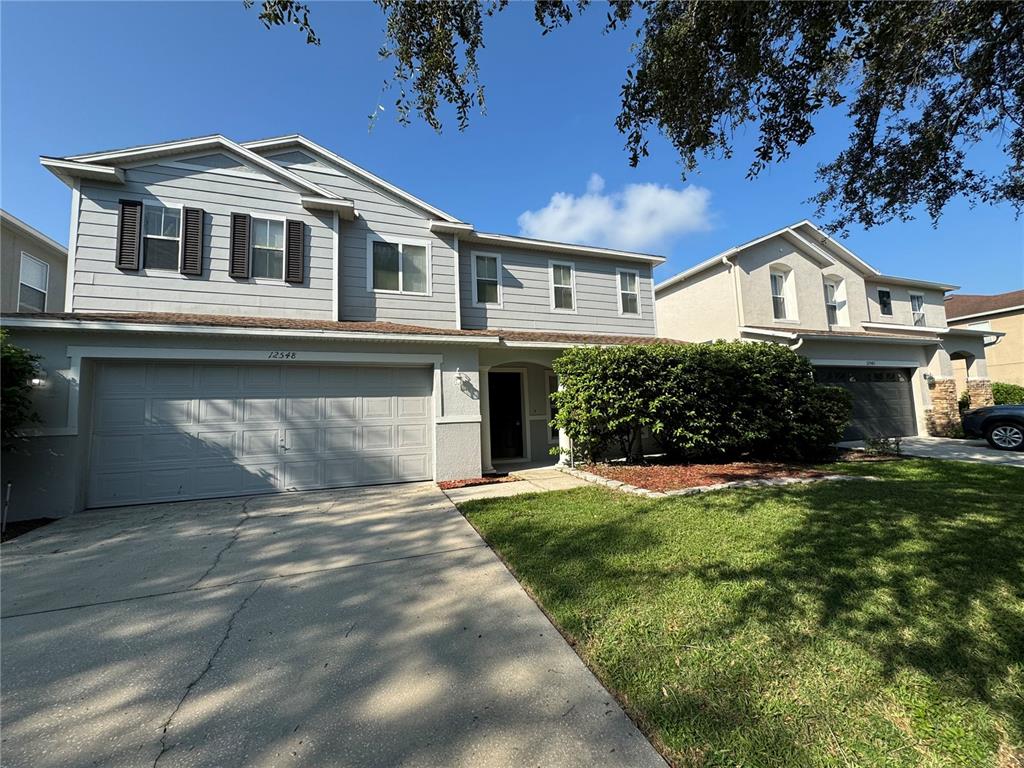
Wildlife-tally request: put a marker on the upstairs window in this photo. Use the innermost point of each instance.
(486, 278)
(885, 302)
(399, 267)
(917, 308)
(35, 276)
(629, 292)
(835, 301)
(267, 258)
(563, 286)
(161, 237)
(779, 295)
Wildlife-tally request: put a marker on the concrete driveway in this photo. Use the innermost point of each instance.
(977, 451)
(364, 627)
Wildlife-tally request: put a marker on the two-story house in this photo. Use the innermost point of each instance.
(883, 338)
(32, 266)
(259, 317)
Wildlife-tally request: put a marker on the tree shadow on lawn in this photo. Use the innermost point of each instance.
(925, 573)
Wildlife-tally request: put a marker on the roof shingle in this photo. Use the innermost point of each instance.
(966, 304)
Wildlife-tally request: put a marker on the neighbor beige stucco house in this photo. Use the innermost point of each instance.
(32, 268)
(884, 338)
(1004, 313)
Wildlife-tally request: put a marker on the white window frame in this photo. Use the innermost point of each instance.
(839, 300)
(552, 384)
(284, 248)
(476, 299)
(913, 314)
(878, 300)
(788, 293)
(399, 241)
(142, 243)
(552, 263)
(46, 286)
(618, 291)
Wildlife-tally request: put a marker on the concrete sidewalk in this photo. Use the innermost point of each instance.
(359, 627)
(535, 480)
(976, 451)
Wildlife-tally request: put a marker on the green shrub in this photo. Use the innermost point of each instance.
(964, 401)
(17, 369)
(1007, 394)
(715, 401)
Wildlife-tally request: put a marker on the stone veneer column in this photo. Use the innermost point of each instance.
(944, 415)
(980, 391)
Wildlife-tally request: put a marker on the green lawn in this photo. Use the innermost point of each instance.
(835, 624)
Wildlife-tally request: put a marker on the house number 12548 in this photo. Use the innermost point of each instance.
(281, 355)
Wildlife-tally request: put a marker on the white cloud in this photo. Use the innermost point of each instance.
(640, 217)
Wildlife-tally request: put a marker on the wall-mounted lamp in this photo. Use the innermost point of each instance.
(928, 378)
(462, 377)
(39, 380)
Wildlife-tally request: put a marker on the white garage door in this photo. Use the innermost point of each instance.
(165, 431)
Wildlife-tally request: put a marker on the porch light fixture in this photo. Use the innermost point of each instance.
(39, 380)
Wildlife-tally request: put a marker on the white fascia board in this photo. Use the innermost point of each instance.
(27, 229)
(986, 313)
(221, 330)
(907, 328)
(850, 255)
(346, 209)
(720, 258)
(812, 250)
(911, 283)
(65, 170)
(977, 332)
(451, 227)
(791, 335)
(296, 140)
(191, 146)
(550, 246)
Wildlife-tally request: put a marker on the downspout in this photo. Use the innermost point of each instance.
(458, 284)
(737, 302)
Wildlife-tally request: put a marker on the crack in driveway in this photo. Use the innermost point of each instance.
(235, 533)
(164, 748)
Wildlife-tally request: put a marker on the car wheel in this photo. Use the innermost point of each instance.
(1005, 435)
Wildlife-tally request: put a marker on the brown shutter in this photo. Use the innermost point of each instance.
(192, 241)
(294, 264)
(129, 233)
(239, 256)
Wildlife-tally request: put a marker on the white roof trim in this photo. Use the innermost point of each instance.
(911, 283)
(216, 141)
(959, 331)
(910, 328)
(282, 142)
(549, 246)
(812, 336)
(986, 313)
(838, 246)
(345, 208)
(223, 330)
(13, 221)
(65, 170)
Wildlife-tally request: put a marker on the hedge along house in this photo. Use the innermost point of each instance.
(883, 338)
(266, 317)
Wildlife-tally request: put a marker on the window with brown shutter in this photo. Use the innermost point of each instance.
(129, 234)
(239, 256)
(192, 241)
(295, 267)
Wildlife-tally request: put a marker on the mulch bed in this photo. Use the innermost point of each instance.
(671, 477)
(18, 527)
(469, 482)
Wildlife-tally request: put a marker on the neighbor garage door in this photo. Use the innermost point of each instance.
(883, 402)
(164, 431)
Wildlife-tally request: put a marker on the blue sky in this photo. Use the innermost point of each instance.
(545, 159)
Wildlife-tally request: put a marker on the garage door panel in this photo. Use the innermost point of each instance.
(165, 431)
(221, 409)
(260, 409)
(883, 400)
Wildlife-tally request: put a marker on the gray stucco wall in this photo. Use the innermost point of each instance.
(382, 215)
(220, 186)
(526, 294)
(700, 309)
(13, 242)
(934, 306)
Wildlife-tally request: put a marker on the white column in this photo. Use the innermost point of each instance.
(485, 420)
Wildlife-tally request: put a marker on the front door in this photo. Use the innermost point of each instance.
(506, 392)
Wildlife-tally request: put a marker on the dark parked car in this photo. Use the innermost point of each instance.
(1001, 425)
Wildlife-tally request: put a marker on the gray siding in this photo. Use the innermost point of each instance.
(99, 285)
(526, 295)
(382, 215)
(12, 243)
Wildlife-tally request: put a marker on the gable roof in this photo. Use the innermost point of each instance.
(972, 304)
(10, 220)
(814, 243)
(99, 164)
(296, 140)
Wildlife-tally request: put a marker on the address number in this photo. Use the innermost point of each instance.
(281, 355)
